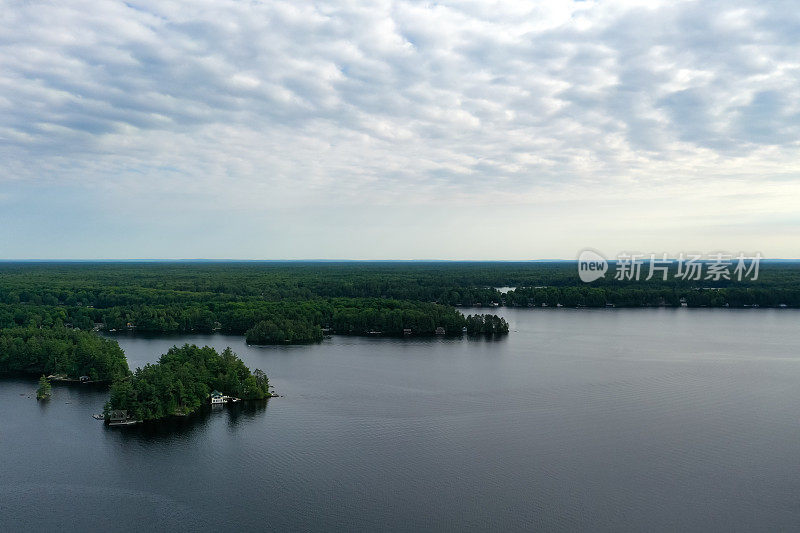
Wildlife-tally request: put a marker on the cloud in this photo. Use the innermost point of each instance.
(247, 104)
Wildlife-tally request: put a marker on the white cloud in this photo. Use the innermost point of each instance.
(254, 104)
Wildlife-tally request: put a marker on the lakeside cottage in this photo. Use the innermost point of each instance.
(118, 417)
(217, 398)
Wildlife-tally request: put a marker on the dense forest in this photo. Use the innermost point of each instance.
(49, 312)
(276, 302)
(283, 331)
(61, 351)
(269, 302)
(487, 325)
(181, 381)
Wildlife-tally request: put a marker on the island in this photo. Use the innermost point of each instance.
(181, 383)
(45, 389)
(283, 331)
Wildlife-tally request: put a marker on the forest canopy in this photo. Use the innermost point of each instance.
(181, 381)
(296, 301)
(283, 331)
(61, 351)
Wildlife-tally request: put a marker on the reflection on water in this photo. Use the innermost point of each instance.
(183, 426)
(594, 420)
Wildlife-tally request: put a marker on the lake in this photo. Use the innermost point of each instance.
(590, 420)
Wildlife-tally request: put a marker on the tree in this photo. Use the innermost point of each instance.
(44, 390)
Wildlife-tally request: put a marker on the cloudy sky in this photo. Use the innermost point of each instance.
(397, 130)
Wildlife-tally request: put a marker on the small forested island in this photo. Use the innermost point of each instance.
(488, 325)
(45, 389)
(283, 331)
(181, 381)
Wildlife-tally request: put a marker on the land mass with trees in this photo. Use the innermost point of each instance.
(299, 302)
(181, 381)
(271, 303)
(60, 351)
(50, 313)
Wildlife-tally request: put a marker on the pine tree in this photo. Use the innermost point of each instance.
(44, 390)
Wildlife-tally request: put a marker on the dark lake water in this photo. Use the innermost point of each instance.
(593, 420)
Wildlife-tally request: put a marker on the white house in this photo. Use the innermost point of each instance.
(216, 397)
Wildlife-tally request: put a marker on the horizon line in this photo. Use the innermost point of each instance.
(318, 260)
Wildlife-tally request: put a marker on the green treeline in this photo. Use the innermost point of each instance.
(396, 319)
(181, 381)
(392, 317)
(631, 296)
(107, 285)
(100, 286)
(61, 351)
(283, 331)
(86, 291)
(278, 302)
(488, 325)
(297, 321)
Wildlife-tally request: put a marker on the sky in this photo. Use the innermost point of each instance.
(398, 130)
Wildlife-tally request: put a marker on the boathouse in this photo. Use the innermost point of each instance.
(117, 416)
